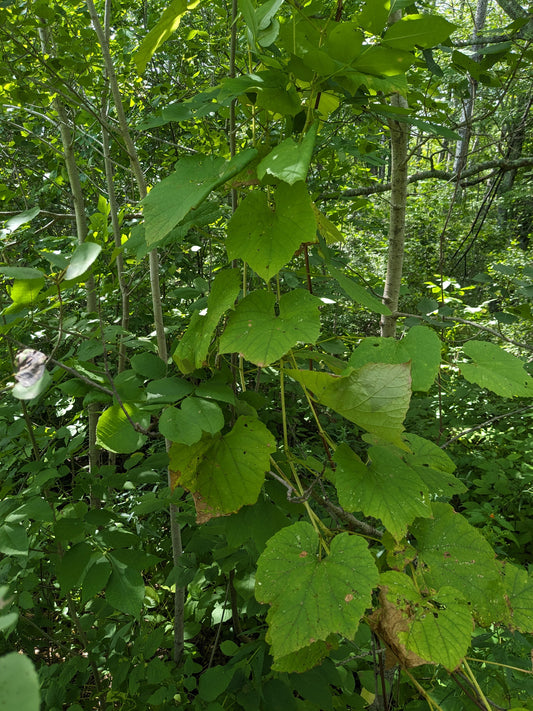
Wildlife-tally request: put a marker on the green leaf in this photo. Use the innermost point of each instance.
(166, 26)
(188, 186)
(115, 433)
(421, 346)
(149, 365)
(311, 596)
(433, 466)
(73, 565)
(186, 424)
(418, 31)
(193, 346)
(19, 683)
(375, 397)
(125, 589)
(383, 61)
(84, 255)
(451, 551)
(14, 540)
(22, 218)
(387, 489)
(22, 392)
(374, 15)
(266, 236)
(289, 161)
(518, 586)
(358, 293)
(437, 628)
(496, 370)
(24, 273)
(95, 578)
(167, 390)
(344, 42)
(254, 330)
(214, 681)
(227, 471)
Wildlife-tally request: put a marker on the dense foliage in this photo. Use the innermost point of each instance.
(266, 356)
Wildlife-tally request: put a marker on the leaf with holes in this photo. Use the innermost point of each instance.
(311, 596)
(450, 549)
(254, 330)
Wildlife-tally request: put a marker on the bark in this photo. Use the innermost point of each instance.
(399, 133)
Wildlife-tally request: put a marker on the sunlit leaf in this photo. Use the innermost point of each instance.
(496, 369)
(84, 255)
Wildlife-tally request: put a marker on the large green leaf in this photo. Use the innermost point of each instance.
(19, 683)
(267, 235)
(73, 565)
(166, 26)
(421, 346)
(193, 346)
(437, 628)
(313, 597)
(452, 552)
(225, 472)
(387, 488)
(114, 431)
(22, 218)
(192, 181)
(289, 161)
(261, 336)
(418, 31)
(375, 397)
(373, 16)
(496, 369)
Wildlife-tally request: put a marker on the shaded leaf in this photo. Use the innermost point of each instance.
(125, 588)
(19, 683)
(84, 255)
(358, 292)
(289, 161)
(518, 586)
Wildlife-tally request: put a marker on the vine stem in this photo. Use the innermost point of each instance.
(432, 704)
(476, 686)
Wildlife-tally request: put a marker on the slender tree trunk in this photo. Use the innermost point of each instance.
(175, 531)
(67, 141)
(465, 131)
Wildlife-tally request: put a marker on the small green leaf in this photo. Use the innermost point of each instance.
(165, 27)
(149, 365)
(95, 578)
(14, 540)
(267, 235)
(387, 489)
(167, 390)
(254, 330)
(19, 683)
(374, 15)
(496, 370)
(375, 396)
(24, 273)
(186, 424)
(125, 589)
(73, 565)
(188, 186)
(193, 346)
(114, 431)
(22, 218)
(289, 161)
(84, 255)
(358, 293)
(311, 596)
